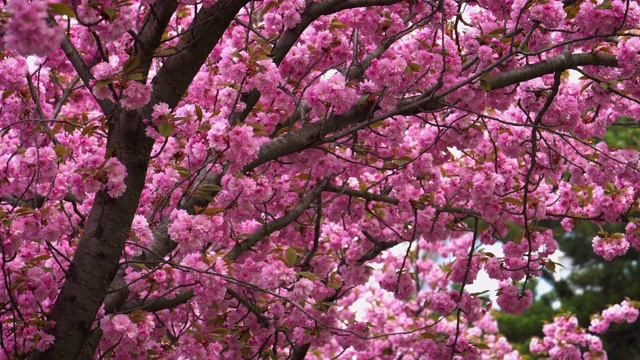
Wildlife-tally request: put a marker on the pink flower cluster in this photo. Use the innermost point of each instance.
(191, 232)
(564, 339)
(619, 313)
(611, 246)
(512, 301)
(98, 174)
(372, 128)
(135, 95)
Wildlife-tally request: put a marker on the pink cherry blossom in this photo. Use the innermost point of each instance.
(135, 95)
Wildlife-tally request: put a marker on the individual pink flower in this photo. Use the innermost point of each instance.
(102, 92)
(12, 71)
(136, 95)
(302, 290)
(160, 110)
(103, 70)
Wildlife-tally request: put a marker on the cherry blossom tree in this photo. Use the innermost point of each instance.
(304, 179)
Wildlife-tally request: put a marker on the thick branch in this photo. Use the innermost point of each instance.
(263, 320)
(299, 352)
(95, 262)
(311, 133)
(557, 63)
(150, 34)
(162, 245)
(307, 135)
(394, 201)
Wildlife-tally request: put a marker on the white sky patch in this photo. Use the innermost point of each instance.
(33, 62)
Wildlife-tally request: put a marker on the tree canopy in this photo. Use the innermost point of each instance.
(305, 179)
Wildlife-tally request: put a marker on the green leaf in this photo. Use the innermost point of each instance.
(212, 210)
(268, 6)
(69, 128)
(361, 100)
(428, 335)
(183, 171)
(7, 93)
(61, 9)
(512, 201)
(56, 128)
(165, 129)
(485, 84)
(220, 331)
(206, 196)
(135, 77)
(210, 188)
(309, 275)
(414, 66)
(198, 112)
(61, 150)
(336, 24)
(110, 12)
(518, 237)
(496, 33)
(606, 5)
(550, 265)
(102, 83)
(479, 293)
(131, 64)
(290, 257)
(167, 51)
